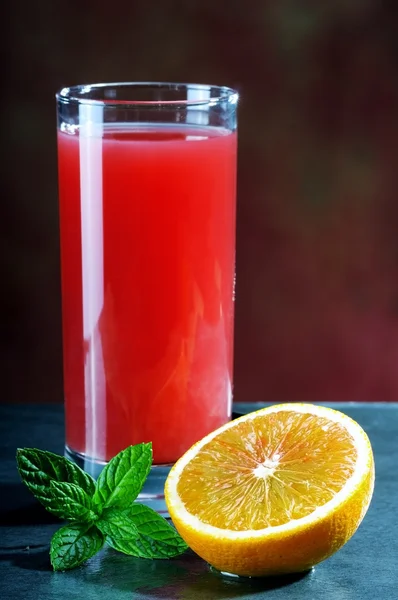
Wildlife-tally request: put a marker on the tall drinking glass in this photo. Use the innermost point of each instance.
(147, 186)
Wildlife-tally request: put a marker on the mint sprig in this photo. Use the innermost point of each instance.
(101, 511)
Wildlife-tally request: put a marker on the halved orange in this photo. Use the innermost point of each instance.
(275, 491)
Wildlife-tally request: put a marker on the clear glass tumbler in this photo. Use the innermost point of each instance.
(147, 191)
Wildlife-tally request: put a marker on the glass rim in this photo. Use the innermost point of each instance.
(75, 94)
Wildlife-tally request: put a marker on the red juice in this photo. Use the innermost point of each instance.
(148, 257)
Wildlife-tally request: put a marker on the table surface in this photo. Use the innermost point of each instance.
(365, 568)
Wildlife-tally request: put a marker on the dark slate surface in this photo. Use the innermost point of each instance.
(366, 568)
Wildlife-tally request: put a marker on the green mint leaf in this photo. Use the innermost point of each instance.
(38, 468)
(156, 537)
(73, 545)
(121, 480)
(73, 502)
(117, 524)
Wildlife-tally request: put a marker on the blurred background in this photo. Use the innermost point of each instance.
(317, 230)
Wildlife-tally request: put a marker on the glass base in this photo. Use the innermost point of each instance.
(152, 494)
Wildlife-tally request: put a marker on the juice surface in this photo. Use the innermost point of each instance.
(148, 260)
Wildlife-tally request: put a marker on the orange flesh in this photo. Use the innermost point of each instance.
(267, 471)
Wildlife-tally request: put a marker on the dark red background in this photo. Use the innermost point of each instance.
(317, 264)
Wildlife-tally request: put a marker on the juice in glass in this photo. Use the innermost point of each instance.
(147, 214)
